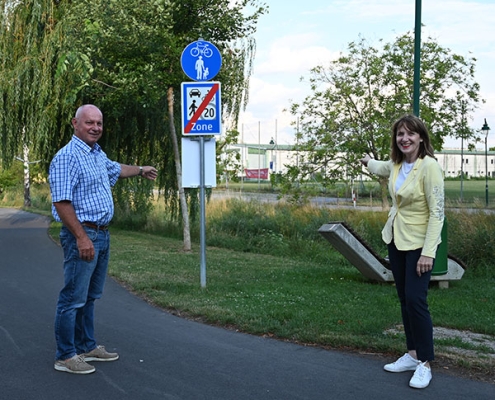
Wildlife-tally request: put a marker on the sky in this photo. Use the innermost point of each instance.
(295, 36)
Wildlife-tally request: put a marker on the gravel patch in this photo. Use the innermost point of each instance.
(476, 340)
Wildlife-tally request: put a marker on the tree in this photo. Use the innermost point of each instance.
(124, 56)
(36, 87)
(355, 100)
(135, 51)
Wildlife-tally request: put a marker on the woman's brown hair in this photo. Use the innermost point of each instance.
(412, 124)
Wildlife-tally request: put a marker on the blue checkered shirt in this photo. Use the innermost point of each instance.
(84, 176)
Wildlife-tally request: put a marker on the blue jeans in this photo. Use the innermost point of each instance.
(83, 284)
(413, 291)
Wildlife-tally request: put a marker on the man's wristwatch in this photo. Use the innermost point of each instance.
(140, 171)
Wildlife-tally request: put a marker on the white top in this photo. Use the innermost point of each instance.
(403, 172)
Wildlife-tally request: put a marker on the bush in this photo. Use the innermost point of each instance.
(286, 230)
(283, 230)
(11, 178)
(472, 238)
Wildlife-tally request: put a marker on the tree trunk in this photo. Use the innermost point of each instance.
(178, 168)
(384, 190)
(27, 178)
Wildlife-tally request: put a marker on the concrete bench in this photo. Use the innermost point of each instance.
(368, 262)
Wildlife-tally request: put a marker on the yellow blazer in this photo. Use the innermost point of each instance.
(416, 217)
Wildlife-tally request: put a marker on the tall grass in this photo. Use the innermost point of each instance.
(286, 230)
(472, 239)
(283, 229)
(292, 231)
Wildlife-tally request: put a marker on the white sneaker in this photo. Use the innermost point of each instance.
(405, 363)
(422, 377)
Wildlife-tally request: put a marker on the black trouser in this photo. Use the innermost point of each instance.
(413, 291)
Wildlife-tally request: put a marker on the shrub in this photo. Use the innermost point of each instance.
(283, 230)
(286, 230)
(472, 237)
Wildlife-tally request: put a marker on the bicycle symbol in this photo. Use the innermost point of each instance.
(201, 48)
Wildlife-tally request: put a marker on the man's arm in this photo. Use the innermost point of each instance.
(128, 171)
(66, 212)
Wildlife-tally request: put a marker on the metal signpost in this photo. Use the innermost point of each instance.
(201, 115)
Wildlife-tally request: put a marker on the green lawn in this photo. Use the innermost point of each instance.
(329, 305)
(473, 191)
(314, 300)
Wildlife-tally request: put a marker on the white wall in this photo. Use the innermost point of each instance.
(450, 160)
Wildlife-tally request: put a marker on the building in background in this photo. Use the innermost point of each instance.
(275, 158)
(474, 163)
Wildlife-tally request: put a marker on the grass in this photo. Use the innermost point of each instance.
(324, 304)
(259, 294)
(270, 273)
(473, 192)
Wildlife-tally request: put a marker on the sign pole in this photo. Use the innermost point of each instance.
(201, 115)
(202, 207)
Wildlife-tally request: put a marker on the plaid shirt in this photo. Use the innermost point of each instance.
(84, 176)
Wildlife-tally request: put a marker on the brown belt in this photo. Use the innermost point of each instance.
(94, 226)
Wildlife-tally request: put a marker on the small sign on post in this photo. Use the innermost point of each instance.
(201, 61)
(201, 108)
(191, 167)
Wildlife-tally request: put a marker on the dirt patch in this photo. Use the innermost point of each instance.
(474, 357)
(481, 341)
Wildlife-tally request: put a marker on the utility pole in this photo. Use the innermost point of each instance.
(417, 58)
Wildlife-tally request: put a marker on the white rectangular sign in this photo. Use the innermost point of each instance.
(191, 167)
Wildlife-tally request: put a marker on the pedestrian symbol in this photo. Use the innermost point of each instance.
(201, 61)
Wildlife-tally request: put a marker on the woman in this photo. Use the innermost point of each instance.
(412, 233)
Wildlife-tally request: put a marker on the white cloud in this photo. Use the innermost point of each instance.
(267, 112)
(264, 92)
(366, 10)
(292, 54)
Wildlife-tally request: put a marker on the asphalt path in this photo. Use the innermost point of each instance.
(163, 356)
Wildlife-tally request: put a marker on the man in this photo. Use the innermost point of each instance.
(81, 177)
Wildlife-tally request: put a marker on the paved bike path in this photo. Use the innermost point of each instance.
(163, 356)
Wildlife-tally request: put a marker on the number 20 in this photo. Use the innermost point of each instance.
(209, 112)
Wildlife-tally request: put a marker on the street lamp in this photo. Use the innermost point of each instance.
(485, 128)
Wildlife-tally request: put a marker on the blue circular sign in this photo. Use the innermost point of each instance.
(201, 61)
